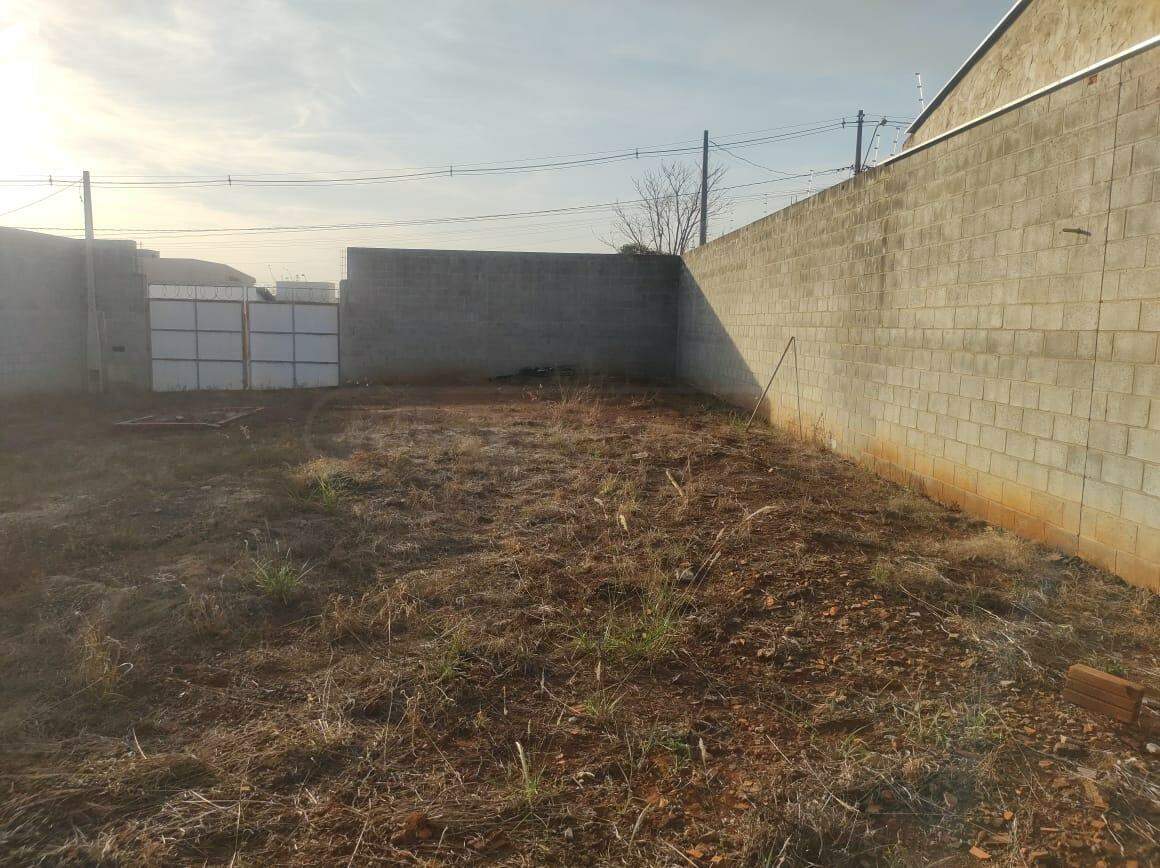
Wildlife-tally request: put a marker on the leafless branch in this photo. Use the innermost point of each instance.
(666, 214)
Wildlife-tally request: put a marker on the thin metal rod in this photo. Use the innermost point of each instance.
(765, 391)
(797, 385)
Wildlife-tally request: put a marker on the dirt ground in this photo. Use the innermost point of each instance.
(535, 623)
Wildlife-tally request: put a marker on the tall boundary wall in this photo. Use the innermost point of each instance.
(1045, 41)
(978, 318)
(42, 318)
(43, 313)
(439, 314)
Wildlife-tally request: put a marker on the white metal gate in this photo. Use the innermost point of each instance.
(214, 338)
(293, 345)
(196, 344)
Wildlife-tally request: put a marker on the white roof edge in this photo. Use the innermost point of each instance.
(989, 40)
(1151, 42)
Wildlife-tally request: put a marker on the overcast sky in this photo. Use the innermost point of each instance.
(202, 89)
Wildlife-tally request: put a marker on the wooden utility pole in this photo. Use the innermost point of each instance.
(94, 363)
(705, 188)
(858, 144)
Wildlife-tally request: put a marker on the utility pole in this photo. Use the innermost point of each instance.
(94, 363)
(705, 188)
(858, 144)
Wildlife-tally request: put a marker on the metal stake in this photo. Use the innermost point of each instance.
(765, 391)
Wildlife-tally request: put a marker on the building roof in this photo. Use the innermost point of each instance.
(191, 272)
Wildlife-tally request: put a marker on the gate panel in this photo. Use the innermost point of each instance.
(172, 315)
(316, 348)
(220, 375)
(271, 317)
(271, 347)
(219, 346)
(219, 316)
(293, 345)
(271, 375)
(315, 376)
(174, 345)
(197, 338)
(195, 344)
(319, 319)
(170, 375)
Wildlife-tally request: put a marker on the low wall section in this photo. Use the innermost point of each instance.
(978, 318)
(432, 314)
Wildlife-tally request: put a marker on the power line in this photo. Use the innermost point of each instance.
(210, 232)
(526, 166)
(442, 167)
(37, 201)
(452, 170)
(537, 233)
(746, 160)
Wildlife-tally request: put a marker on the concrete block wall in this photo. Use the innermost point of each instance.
(1046, 42)
(42, 317)
(124, 309)
(979, 318)
(433, 314)
(43, 313)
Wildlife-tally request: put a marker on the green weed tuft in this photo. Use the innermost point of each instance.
(274, 572)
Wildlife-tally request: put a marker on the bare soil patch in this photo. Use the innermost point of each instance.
(535, 623)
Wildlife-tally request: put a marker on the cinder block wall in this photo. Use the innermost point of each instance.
(433, 314)
(43, 313)
(42, 317)
(1048, 41)
(978, 318)
(124, 308)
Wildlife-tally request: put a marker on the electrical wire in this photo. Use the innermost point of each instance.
(745, 160)
(457, 231)
(526, 166)
(451, 171)
(209, 232)
(693, 143)
(38, 201)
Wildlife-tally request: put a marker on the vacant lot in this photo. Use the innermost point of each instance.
(535, 623)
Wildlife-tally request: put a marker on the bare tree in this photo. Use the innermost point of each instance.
(666, 216)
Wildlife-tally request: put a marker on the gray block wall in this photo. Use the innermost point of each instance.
(980, 318)
(124, 309)
(43, 313)
(440, 314)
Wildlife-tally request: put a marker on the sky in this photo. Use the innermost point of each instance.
(167, 103)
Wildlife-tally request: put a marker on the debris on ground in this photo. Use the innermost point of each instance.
(552, 624)
(1104, 693)
(204, 418)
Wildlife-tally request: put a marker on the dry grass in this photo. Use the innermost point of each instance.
(100, 663)
(549, 623)
(377, 615)
(997, 548)
(322, 482)
(206, 614)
